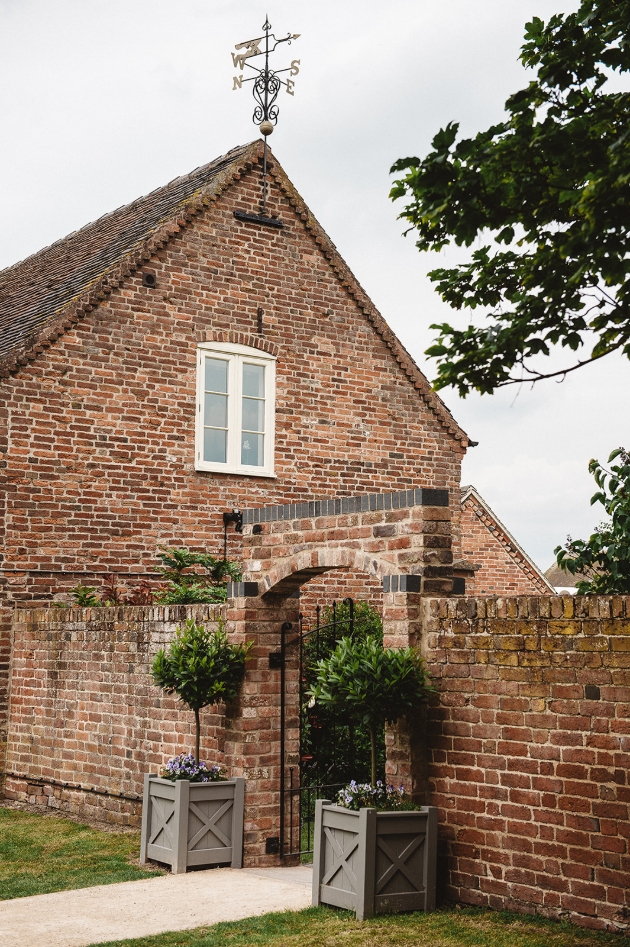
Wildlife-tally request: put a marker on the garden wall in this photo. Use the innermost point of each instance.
(529, 750)
(84, 713)
(6, 618)
(528, 740)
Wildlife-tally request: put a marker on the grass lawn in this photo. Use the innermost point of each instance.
(41, 853)
(322, 927)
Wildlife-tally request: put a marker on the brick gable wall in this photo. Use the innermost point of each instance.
(98, 467)
(504, 571)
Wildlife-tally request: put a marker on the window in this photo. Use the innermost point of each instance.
(235, 409)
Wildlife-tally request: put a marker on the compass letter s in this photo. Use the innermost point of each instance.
(295, 67)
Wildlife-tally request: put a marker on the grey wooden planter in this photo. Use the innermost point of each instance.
(374, 862)
(188, 824)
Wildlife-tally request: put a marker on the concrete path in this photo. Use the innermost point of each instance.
(152, 906)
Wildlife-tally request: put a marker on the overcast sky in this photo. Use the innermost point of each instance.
(104, 100)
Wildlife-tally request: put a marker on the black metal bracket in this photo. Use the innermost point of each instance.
(235, 517)
(258, 219)
(276, 660)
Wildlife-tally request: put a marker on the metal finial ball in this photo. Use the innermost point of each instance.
(266, 128)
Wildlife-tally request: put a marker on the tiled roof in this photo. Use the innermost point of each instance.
(41, 297)
(36, 290)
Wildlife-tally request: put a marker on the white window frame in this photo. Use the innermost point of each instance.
(236, 355)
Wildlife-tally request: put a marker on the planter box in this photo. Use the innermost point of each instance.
(188, 824)
(374, 862)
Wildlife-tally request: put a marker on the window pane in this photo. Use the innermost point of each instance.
(215, 445)
(253, 414)
(252, 451)
(216, 375)
(215, 410)
(253, 381)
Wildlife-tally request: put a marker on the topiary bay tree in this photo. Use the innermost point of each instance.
(201, 667)
(370, 684)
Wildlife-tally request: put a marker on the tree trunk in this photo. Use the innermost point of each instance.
(373, 748)
(197, 734)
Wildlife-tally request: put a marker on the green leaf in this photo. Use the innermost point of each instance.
(605, 556)
(556, 175)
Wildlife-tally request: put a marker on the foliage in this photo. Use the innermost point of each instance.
(380, 796)
(605, 556)
(190, 591)
(140, 594)
(339, 747)
(185, 766)
(371, 684)
(40, 853)
(450, 926)
(201, 667)
(549, 187)
(191, 578)
(85, 596)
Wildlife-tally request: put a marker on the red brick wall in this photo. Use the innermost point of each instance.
(503, 571)
(337, 585)
(100, 457)
(530, 753)
(6, 616)
(84, 712)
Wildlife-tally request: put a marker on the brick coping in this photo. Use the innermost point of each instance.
(365, 503)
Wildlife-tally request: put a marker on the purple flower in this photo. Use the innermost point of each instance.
(185, 766)
(382, 796)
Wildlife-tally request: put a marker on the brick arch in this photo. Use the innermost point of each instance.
(291, 573)
(238, 338)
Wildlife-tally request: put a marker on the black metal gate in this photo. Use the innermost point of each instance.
(321, 760)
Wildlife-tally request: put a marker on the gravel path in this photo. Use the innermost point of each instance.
(152, 906)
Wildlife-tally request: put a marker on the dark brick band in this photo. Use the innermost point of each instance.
(368, 502)
(242, 589)
(402, 583)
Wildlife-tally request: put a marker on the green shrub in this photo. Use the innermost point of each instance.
(201, 667)
(371, 684)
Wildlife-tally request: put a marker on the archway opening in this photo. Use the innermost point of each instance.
(324, 748)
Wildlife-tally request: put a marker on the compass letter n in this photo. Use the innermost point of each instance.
(238, 83)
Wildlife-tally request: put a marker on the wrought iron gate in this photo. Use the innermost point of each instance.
(307, 772)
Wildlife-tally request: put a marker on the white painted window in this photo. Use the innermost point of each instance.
(235, 409)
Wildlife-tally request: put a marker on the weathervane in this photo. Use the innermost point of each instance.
(266, 83)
